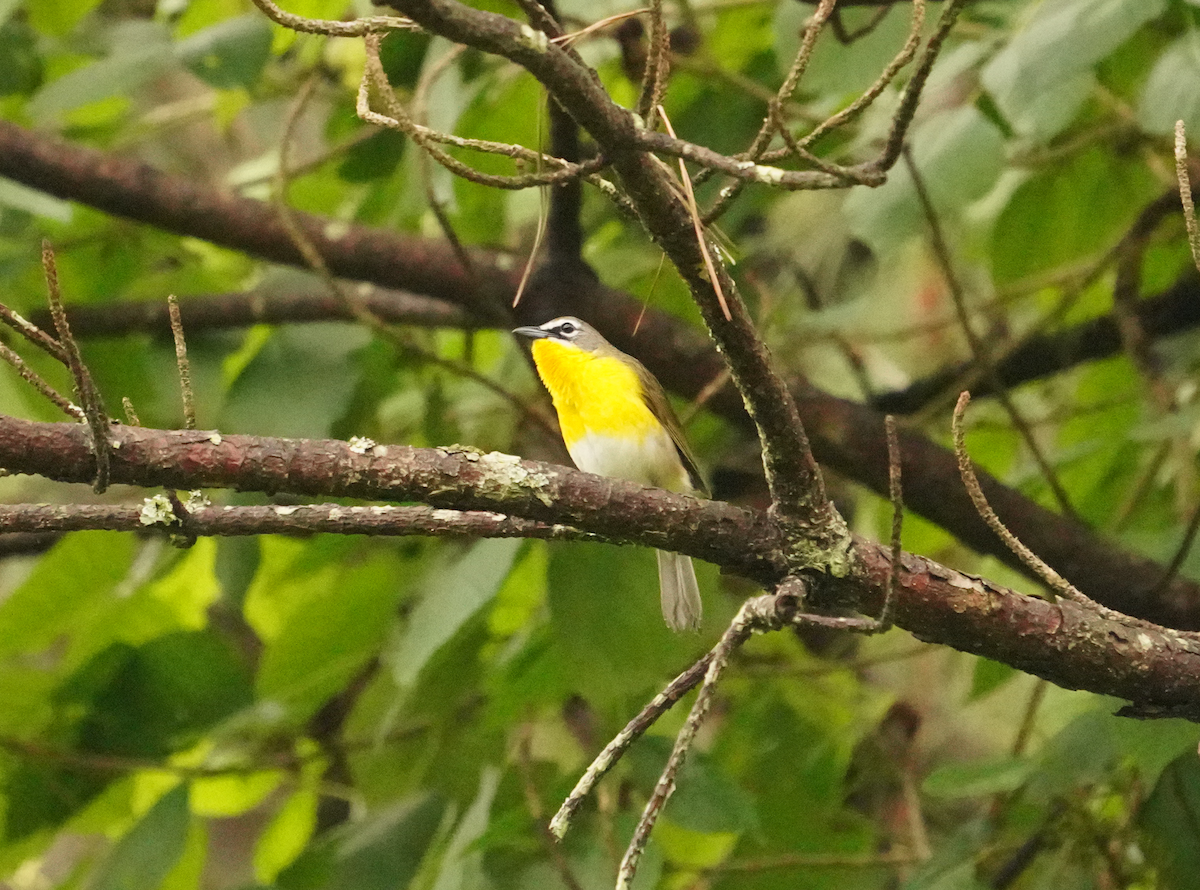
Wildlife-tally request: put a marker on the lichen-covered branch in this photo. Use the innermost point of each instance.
(1156, 669)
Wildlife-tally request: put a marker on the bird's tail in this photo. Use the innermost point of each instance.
(680, 593)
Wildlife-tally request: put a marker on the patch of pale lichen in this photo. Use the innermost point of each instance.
(506, 477)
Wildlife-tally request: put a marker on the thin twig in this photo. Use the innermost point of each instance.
(130, 415)
(896, 496)
(1181, 555)
(351, 299)
(380, 24)
(750, 617)
(979, 347)
(658, 60)
(33, 334)
(606, 759)
(420, 99)
(181, 359)
(399, 119)
(902, 58)
(1185, 192)
(85, 388)
(1029, 718)
(773, 121)
(1056, 582)
(698, 226)
(757, 615)
(35, 380)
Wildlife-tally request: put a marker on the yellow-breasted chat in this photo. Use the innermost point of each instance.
(616, 421)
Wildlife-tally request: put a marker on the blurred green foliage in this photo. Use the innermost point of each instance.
(318, 712)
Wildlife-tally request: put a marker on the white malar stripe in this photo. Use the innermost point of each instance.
(650, 461)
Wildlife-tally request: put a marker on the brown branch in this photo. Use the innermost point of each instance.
(1070, 645)
(306, 519)
(1174, 311)
(846, 436)
(202, 312)
(792, 474)
(133, 190)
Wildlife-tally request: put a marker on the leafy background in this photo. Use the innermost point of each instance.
(346, 713)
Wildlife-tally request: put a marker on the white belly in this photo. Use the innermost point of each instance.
(650, 461)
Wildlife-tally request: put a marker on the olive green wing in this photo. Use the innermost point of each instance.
(660, 406)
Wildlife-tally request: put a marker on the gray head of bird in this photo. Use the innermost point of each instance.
(567, 329)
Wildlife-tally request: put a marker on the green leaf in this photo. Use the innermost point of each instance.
(707, 800)
(298, 384)
(287, 834)
(144, 856)
(989, 676)
(605, 611)
(454, 594)
(380, 852)
(1067, 212)
(1041, 77)
(979, 778)
(1170, 819)
(140, 52)
(1172, 91)
(37, 203)
(462, 865)
(52, 602)
(159, 697)
(229, 54)
(1152, 744)
(960, 154)
(338, 623)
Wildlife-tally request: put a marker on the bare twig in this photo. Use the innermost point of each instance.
(181, 359)
(1029, 717)
(1181, 554)
(697, 225)
(902, 58)
(304, 519)
(774, 119)
(757, 615)
(1056, 582)
(85, 388)
(658, 61)
(606, 759)
(399, 119)
(130, 415)
(380, 24)
(753, 615)
(896, 496)
(35, 380)
(33, 334)
(1185, 192)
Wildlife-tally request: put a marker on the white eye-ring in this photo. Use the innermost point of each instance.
(566, 328)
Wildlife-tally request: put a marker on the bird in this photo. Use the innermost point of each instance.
(616, 421)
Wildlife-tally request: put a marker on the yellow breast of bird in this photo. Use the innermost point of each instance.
(606, 425)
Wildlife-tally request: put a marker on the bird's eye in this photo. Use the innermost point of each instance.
(566, 328)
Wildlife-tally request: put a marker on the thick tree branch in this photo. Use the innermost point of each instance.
(1174, 311)
(137, 191)
(1156, 669)
(792, 474)
(202, 312)
(846, 436)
